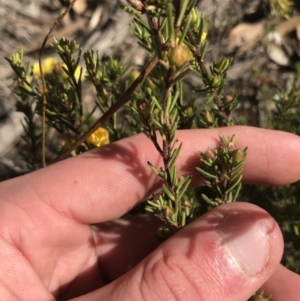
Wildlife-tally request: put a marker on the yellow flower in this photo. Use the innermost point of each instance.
(99, 137)
(48, 66)
(203, 37)
(52, 65)
(76, 74)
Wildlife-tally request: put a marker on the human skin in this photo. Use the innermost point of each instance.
(50, 251)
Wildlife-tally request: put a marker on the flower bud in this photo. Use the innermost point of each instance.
(64, 97)
(189, 111)
(169, 211)
(134, 75)
(208, 117)
(209, 154)
(179, 56)
(188, 204)
(194, 17)
(281, 208)
(237, 156)
(228, 98)
(57, 68)
(142, 105)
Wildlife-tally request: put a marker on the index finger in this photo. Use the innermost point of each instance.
(105, 183)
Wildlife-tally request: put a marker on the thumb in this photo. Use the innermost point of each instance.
(227, 254)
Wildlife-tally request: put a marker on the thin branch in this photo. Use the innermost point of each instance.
(58, 20)
(114, 108)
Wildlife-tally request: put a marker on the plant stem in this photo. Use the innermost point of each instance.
(44, 101)
(114, 108)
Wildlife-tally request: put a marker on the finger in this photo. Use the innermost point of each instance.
(283, 285)
(227, 254)
(106, 183)
(123, 243)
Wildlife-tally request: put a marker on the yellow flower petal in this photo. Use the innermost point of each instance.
(51, 65)
(63, 72)
(77, 72)
(48, 66)
(65, 75)
(203, 37)
(36, 69)
(99, 137)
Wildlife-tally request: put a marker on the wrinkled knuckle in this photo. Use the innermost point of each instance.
(171, 275)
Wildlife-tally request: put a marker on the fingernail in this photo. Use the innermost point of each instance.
(247, 241)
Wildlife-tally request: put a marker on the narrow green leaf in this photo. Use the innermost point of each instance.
(159, 126)
(181, 75)
(154, 169)
(237, 192)
(184, 187)
(187, 210)
(129, 10)
(183, 7)
(168, 192)
(173, 102)
(171, 25)
(203, 49)
(205, 174)
(191, 4)
(209, 201)
(200, 30)
(174, 176)
(156, 103)
(154, 204)
(183, 219)
(175, 155)
(238, 181)
(208, 163)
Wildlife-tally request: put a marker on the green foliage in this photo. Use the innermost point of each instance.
(281, 8)
(283, 202)
(260, 297)
(278, 8)
(222, 169)
(25, 104)
(65, 110)
(173, 32)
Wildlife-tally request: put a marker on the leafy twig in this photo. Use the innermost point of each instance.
(44, 103)
(115, 107)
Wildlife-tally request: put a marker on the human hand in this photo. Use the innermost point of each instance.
(49, 250)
